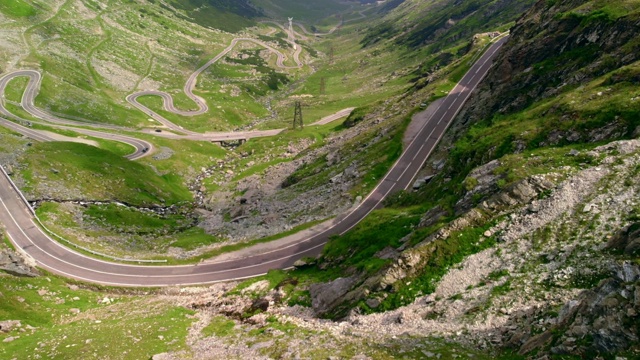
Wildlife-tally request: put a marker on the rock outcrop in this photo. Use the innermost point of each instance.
(603, 320)
(13, 264)
(334, 298)
(326, 296)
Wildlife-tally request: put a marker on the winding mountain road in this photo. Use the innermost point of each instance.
(28, 98)
(142, 147)
(35, 79)
(190, 85)
(27, 237)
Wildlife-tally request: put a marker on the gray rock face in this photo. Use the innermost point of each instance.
(163, 356)
(633, 248)
(628, 272)
(325, 296)
(600, 318)
(15, 265)
(480, 181)
(627, 240)
(522, 192)
(432, 216)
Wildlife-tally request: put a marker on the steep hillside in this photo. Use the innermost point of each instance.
(227, 15)
(437, 23)
(311, 12)
(515, 223)
(559, 46)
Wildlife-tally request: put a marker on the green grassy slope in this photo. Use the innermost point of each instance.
(61, 321)
(227, 15)
(92, 56)
(307, 11)
(95, 174)
(435, 24)
(17, 8)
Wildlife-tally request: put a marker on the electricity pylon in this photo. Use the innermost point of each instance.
(291, 35)
(297, 116)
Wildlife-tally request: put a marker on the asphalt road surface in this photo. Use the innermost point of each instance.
(22, 230)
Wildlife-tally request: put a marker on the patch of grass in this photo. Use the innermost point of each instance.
(133, 325)
(219, 326)
(227, 15)
(193, 238)
(17, 8)
(356, 116)
(123, 218)
(498, 274)
(98, 174)
(15, 88)
(502, 289)
(305, 11)
(22, 301)
(588, 281)
(126, 232)
(382, 228)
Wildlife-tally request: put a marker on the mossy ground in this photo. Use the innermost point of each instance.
(62, 322)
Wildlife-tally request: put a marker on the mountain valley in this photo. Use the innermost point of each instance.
(516, 238)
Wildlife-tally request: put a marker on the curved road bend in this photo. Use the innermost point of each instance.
(58, 259)
(33, 134)
(142, 147)
(28, 98)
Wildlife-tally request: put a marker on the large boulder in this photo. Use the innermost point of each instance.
(325, 296)
(13, 264)
(626, 240)
(8, 325)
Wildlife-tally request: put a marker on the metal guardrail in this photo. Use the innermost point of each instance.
(50, 232)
